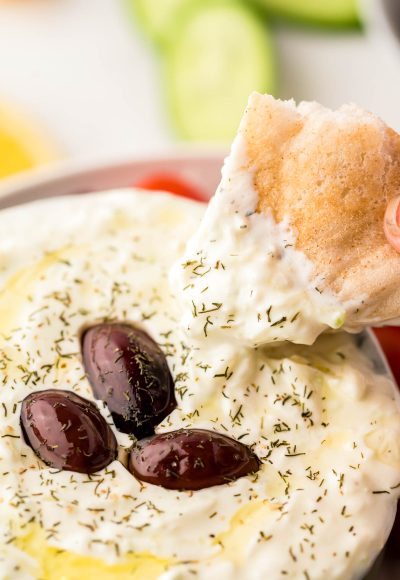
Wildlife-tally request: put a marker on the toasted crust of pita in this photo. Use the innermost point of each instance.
(331, 173)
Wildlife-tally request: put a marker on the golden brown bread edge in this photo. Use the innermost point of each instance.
(331, 173)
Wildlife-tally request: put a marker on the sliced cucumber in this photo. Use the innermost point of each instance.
(219, 54)
(323, 12)
(157, 17)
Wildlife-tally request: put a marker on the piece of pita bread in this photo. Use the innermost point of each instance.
(332, 174)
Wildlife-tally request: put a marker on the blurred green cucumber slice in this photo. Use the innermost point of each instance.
(341, 13)
(156, 17)
(220, 52)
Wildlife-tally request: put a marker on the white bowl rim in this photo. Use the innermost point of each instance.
(29, 185)
(64, 168)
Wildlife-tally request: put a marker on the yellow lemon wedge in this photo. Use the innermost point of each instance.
(22, 145)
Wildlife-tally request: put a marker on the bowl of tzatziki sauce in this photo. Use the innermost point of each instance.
(201, 169)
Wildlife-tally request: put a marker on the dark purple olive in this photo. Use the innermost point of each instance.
(67, 432)
(129, 371)
(191, 459)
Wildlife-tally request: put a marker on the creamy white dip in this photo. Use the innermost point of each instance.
(241, 277)
(325, 424)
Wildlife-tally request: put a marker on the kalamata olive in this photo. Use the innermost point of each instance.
(191, 459)
(67, 432)
(129, 371)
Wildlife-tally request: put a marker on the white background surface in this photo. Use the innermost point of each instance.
(85, 72)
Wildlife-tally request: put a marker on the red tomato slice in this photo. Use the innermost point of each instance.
(172, 183)
(389, 338)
